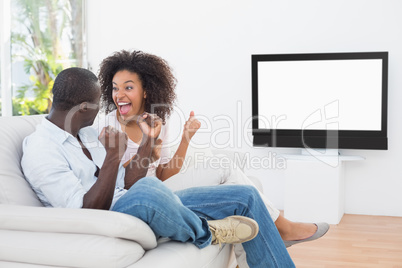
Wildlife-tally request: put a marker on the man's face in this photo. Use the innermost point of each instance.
(93, 105)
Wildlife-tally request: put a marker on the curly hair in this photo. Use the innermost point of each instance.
(155, 74)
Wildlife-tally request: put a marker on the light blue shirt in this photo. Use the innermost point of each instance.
(57, 169)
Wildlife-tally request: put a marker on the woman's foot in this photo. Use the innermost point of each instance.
(322, 229)
(297, 232)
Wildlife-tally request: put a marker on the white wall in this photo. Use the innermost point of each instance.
(209, 43)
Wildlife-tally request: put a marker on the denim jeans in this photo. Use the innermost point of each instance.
(183, 216)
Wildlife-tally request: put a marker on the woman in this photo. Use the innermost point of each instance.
(136, 82)
(131, 84)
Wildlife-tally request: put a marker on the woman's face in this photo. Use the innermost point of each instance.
(128, 94)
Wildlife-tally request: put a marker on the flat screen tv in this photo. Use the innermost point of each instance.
(321, 100)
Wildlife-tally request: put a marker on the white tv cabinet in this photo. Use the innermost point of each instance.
(315, 187)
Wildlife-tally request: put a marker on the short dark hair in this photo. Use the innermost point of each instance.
(154, 73)
(73, 86)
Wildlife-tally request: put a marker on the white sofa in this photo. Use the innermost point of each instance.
(34, 236)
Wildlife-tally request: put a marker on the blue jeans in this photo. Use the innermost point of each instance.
(183, 216)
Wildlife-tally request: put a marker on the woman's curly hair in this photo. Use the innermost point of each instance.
(155, 74)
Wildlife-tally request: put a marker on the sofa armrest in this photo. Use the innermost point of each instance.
(257, 183)
(238, 158)
(77, 221)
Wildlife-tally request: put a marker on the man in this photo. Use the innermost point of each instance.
(67, 166)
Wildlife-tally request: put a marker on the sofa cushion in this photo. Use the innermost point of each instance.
(14, 189)
(77, 221)
(183, 255)
(68, 250)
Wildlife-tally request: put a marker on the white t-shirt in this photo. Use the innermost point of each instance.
(111, 120)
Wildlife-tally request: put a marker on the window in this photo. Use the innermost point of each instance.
(43, 38)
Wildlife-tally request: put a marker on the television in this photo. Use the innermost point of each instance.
(320, 100)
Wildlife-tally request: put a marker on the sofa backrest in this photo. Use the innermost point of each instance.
(14, 189)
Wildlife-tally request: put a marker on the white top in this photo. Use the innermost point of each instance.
(57, 169)
(111, 120)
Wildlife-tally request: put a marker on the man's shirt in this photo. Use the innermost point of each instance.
(57, 169)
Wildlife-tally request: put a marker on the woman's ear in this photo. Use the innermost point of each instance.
(145, 94)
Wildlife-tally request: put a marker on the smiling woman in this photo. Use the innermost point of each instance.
(128, 94)
(136, 82)
(151, 73)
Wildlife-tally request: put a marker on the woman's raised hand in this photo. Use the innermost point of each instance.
(191, 127)
(150, 125)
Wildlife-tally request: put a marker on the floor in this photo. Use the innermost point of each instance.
(357, 241)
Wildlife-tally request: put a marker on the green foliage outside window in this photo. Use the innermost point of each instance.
(48, 38)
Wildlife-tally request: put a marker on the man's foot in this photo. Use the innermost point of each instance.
(321, 229)
(233, 230)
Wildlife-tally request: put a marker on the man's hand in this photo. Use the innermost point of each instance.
(114, 141)
(156, 150)
(150, 125)
(191, 127)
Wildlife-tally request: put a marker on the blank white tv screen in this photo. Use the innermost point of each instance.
(320, 94)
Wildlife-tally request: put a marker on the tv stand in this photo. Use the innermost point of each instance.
(314, 187)
(319, 152)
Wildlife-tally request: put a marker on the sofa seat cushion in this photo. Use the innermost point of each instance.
(77, 221)
(68, 250)
(72, 237)
(184, 255)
